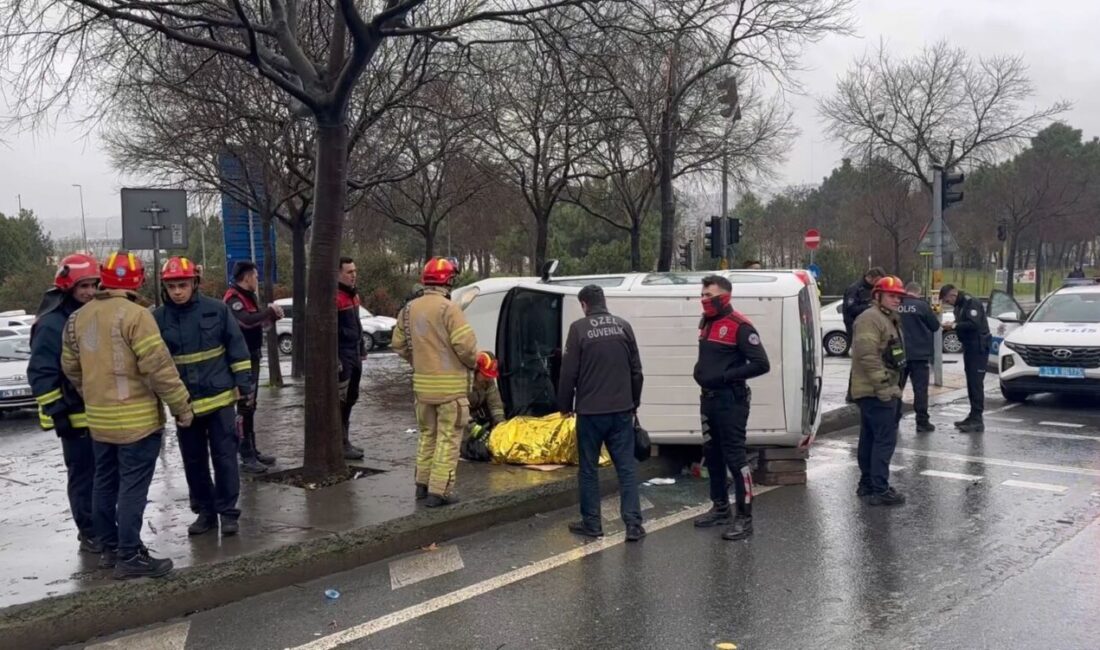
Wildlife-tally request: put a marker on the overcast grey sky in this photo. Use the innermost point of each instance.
(1057, 39)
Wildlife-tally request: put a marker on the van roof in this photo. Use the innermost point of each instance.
(764, 284)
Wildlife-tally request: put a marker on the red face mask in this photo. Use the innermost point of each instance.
(715, 305)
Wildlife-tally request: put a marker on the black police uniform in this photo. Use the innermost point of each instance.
(61, 408)
(245, 308)
(973, 332)
(730, 352)
(919, 326)
(213, 361)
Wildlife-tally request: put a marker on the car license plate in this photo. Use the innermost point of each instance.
(18, 392)
(1063, 373)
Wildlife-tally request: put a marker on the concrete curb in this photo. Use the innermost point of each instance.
(80, 616)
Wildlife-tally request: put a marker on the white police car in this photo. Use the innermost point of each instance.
(1056, 349)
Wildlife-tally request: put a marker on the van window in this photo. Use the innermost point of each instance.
(584, 282)
(669, 279)
(529, 342)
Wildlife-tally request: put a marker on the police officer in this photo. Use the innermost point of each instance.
(730, 352)
(878, 356)
(244, 304)
(213, 360)
(60, 407)
(973, 331)
(351, 349)
(918, 325)
(857, 298)
(601, 381)
(113, 354)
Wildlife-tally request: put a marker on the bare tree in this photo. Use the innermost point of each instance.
(913, 110)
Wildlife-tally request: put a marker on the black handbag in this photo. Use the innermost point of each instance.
(642, 445)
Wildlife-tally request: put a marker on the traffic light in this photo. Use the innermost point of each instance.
(947, 179)
(687, 255)
(728, 86)
(714, 237)
(734, 231)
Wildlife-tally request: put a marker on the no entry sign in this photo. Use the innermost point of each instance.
(812, 239)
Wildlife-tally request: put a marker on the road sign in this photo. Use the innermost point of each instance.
(241, 223)
(149, 215)
(925, 247)
(815, 271)
(812, 239)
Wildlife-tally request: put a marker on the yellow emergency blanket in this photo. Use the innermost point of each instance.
(549, 440)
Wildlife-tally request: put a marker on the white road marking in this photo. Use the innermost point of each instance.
(426, 564)
(1051, 434)
(169, 637)
(994, 418)
(1061, 469)
(955, 475)
(1068, 425)
(1046, 487)
(1005, 407)
(457, 596)
(897, 468)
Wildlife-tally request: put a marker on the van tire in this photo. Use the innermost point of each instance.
(1013, 395)
(836, 344)
(286, 344)
(951, 343)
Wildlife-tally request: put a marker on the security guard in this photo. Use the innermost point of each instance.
(213, 360)
(918, 327)
(114, 355)
(432, 334)
(973, 331)
(350, 348)
(244, 304)
(730, 353)
(60, 407)
(878, 357)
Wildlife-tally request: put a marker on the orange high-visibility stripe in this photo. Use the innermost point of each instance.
(133, 265)
(111, 261)
(183, 263)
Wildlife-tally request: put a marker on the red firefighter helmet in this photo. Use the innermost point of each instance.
(74, 269)
(178, 268)
(890, 284)
(123, 270)
(487, 365)
(439, 271)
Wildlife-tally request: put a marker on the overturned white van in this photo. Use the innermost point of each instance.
(524, 321)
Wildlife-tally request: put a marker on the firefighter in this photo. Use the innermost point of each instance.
(857, 298)
(432, 334)
(730, 352)
(973, 331)
(486, 407)
(244, 304)
(878, 358)
(60, 407)
(214, 362)
(114, 355)
(350, 348)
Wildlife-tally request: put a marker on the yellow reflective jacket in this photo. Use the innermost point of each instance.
(114, 355)
(871, 335)
(432, 334)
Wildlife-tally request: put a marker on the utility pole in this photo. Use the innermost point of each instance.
(937, 268)
(83, 227)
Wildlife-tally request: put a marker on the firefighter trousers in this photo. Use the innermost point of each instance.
(441, 427)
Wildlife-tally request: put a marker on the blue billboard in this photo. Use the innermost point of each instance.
(242, 225)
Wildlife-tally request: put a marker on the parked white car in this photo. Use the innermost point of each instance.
(16, 318)
(15, 389)
(835, 338)
(1056, 349)
(377, 330)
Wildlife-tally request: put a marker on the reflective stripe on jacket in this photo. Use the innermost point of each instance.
(209, 351)
(55, 394)
(432, 334)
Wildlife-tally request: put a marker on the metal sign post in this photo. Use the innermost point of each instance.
(155, 228)
(936, 232)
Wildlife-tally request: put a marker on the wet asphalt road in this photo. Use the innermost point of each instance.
(998, 547)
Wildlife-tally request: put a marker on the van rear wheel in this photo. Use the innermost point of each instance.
(836, 344)
(286, 344)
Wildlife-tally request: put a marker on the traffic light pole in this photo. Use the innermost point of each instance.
(937, 269)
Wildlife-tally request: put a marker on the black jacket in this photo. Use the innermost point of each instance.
(857, 298)
(600, 368)
(60, 407)
(730, 352)
(918, 328)
(209, 351)
(971, 325)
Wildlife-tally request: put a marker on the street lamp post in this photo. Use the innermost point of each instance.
(83, 227)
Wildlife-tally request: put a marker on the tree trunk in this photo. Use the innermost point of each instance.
(897, 253)
(635, 245)
(274, 369)
(668, 200)
(324, 453)
(1039, 271)
(542, 238)
(1010, 266)
(429, 242)
(298, 316)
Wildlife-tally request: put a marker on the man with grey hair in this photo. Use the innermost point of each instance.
(918, 325)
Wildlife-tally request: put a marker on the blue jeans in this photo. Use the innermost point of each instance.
(616, 431)
(878, 435)
(212, 439)
(121, 489)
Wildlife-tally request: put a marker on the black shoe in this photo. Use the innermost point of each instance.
(203, 524)
(890, 497)
(142, 565)
(351, 452)
(716, 517)
(974, 426)
(421, 491)
(741, 528)
(437, 500)
(925, 427)
(229, 526)
(579, 528)
(252, 466)
(89, 545)
(108, 558)
(964, 422)
(265, 459)
(634, 533)
(863, 491)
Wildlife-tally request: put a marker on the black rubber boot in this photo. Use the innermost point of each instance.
(438, 500)
(421, 491)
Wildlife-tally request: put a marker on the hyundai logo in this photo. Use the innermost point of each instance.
(1062, 353)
